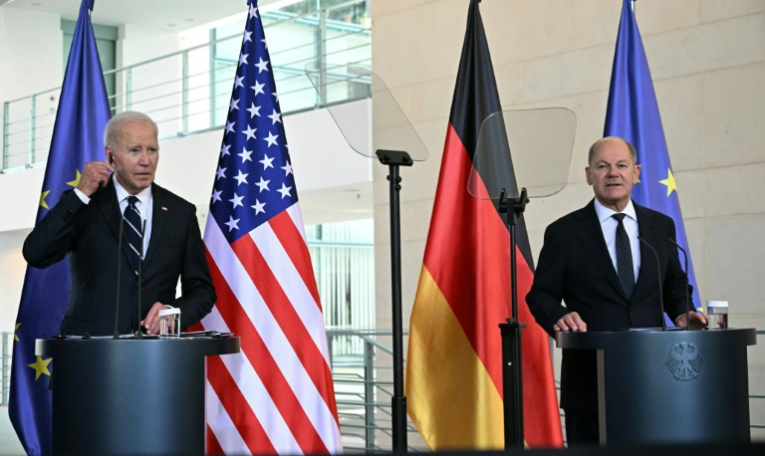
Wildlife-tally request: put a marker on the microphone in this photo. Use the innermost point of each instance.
(119, 277)
(661, 288)
(139, 334)
(687, 286)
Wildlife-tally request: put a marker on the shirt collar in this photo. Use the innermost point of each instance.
(144, 196)
(605, 213)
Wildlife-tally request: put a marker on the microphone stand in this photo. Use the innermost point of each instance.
(687, 286)
(139, 334)
(661, 287)
(512, 353)
(119, 279)
(394, 159)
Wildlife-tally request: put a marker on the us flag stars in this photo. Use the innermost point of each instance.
(254, 180)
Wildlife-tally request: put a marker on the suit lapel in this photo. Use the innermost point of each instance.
(590, 233)
(160, 215)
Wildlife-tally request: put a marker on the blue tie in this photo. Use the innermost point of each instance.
(624, 266)
(133, 228)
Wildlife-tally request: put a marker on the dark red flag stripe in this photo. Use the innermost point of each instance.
(262, 361)
(237, 408)
(213, 447)
(284, 313)
(297, 249)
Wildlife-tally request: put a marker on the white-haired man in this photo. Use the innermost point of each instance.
(160, 235)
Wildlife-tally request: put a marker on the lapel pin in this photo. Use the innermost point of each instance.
(164, 208)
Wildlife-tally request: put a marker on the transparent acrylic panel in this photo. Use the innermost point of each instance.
(541, 142)
(393, 131)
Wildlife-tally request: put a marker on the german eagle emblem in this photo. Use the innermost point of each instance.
(684, 361)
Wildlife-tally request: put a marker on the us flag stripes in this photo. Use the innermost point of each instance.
(276, 396)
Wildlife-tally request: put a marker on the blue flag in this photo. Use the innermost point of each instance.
(83, 112)
(633, 114)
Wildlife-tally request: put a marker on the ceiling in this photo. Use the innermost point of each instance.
(167, 15)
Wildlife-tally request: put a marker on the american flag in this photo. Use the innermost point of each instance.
(276, 396)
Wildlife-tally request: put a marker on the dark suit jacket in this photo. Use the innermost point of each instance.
(89, 234)
(574, 266)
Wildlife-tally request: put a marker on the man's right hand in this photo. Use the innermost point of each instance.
(94, 174)
(570, 322)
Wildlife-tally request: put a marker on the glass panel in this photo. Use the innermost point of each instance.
(541, 141)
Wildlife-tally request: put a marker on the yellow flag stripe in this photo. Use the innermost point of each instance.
(441, 363)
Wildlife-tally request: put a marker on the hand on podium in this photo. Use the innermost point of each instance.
(151, 322)
(570, 322)
(698, 321)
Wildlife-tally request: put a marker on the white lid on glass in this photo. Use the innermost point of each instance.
(170, 311)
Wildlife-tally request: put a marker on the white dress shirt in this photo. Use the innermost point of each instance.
(145, 205)
(608, 225)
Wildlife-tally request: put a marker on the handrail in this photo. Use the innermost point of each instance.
(208, 44)
(193, 94)
(365, 336)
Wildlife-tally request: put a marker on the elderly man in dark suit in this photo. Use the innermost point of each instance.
(593, 260)
(160, 235)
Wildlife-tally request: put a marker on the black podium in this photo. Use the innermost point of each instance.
(672, 387)
(130, 396)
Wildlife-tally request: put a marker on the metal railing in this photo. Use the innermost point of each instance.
(363, 390)
(6, 348)
(188, 91)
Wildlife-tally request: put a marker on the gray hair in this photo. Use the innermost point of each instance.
(114, 124)
(594, 148)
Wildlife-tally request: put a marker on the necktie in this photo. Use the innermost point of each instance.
(133, 225)
(624, 257)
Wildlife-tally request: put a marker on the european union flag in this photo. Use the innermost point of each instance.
(633, 114)
(77, 138)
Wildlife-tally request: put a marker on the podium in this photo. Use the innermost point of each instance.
(670, 387)
(130, 396)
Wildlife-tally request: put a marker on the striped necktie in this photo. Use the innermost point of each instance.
(624, 266)
(133, 229)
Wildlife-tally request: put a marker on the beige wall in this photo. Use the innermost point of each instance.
(707, 58)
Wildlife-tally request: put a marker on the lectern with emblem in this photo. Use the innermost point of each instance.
(131, 396)
(654, 386)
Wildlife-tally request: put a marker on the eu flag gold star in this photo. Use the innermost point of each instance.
(41, 367)
(15, 336)
(76, 180)
(669, 182)
(42, 199)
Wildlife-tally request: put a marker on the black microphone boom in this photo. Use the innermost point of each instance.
(687, 286)
(139, 335)
(119, 277)
(661, 288)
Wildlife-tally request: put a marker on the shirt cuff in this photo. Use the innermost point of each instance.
(81, 196)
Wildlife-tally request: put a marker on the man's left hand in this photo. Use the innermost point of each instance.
(698, 320)
(151, 322)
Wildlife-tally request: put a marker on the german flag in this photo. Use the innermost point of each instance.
(454, 364)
